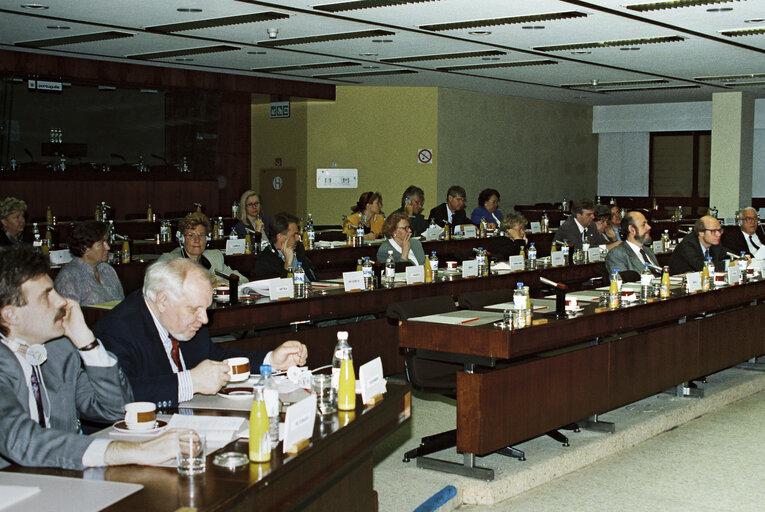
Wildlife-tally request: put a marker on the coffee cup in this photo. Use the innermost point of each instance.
(238, 368)
(451, 265)
(140, 415)
(221, 293)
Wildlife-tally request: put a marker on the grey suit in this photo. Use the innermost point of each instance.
(570, 231)
(75, 390)
(416, 249)
(624, 258)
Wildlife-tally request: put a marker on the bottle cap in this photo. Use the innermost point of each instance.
(342, 335)
(265, 370)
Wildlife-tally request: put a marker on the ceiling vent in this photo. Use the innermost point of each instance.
(600, 85)
(674, 4)
(514, 20)
(366, 4)
(368, 74)
(609, 44)
(183, 53)
(444, 56)
(218, 22)
(743, 32)
(466, 67)
(364, 34)
(729, 78)
(84, 38)
(304, 67)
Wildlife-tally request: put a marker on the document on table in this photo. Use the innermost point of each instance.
(537, 306)
(468, 318)
(220, 430)
(586, 295)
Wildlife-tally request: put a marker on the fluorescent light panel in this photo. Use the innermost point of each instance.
(610, 44)
(513, 20)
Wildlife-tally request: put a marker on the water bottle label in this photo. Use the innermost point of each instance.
(480, 260)
(519, 301)
(366, 272)
(298, 278)
(311, 235)
(645, 279)
(390, 272)
(433, 265)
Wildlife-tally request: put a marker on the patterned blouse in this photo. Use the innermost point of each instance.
(77, 280)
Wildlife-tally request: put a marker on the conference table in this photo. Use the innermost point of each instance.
(333, 472)
(519, 384)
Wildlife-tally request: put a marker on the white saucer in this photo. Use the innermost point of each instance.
(159, 426)
(243, 392)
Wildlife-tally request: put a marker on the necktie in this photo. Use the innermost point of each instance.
(584, 236)
(751, 239)
(175, 353)
(36, 392)
(645, 256)
(706, 253)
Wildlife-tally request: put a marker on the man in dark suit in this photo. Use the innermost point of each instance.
(53, 372)
(702, 242)
(635, 252)
(453, 210)
(579, 227)
(749, 238)
(285, 250)
(159, 336)
(412, 203)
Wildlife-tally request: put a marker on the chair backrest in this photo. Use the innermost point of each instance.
(629, 276)
(478, 300)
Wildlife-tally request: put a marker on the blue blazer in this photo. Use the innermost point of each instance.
(129, 333)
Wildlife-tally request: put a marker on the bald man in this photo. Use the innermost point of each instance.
(702, 242)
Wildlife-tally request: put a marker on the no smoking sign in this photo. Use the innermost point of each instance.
(425, 156)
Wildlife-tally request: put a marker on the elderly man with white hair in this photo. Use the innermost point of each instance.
(749, 238)
(163, 345)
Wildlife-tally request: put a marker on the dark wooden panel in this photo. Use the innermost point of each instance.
(517, 403)
(729, 339)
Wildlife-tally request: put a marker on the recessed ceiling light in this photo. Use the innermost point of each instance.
(489, 58)
(256, 53)
(368, 54)
(581, 52)
(184, 59)
(382, 40)
(580, 97)
(57, 27)
(370, 67)
(719, 9)
(533, 27)
(34, 6)
(480, 32)
(755, 20)
(629, 48)
(189, 9)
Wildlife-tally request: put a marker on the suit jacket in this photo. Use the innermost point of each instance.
(416, 249)
(733, 238)
(624, 258)
(440, 215)
(214, 258)
(570, 231)
(270, 264)
(243, 228)
(418, 222)
(128, 331)
(689, 258)
(502, 247)
(75, 391)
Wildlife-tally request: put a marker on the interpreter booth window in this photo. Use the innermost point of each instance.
(680, 164)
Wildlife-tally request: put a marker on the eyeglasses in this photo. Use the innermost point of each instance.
(748, 219)
(252, 205)
(195, 236)
(404, 227)
(714, 231)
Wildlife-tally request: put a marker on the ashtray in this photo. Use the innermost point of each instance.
(231, 460)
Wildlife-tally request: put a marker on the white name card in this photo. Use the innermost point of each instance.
(281, 289)
(234, 247)
(60, 257)
(432, 233)
(734, 274)
(415, 274)
(470, 231)
(516, 263)
(658, 247)
(593, 253)
(694, 281)
(536, 227)
(557, 259)
(372, 380)
(470, 268)
(298, 423)
(353, 281)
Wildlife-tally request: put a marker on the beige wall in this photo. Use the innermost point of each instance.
(529, 150)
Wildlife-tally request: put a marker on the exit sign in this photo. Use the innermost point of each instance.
(280, 109)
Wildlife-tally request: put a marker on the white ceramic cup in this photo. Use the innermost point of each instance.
(238, 368)
(221, 293)
(140, 415)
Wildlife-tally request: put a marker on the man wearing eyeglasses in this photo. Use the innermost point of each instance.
(701, 243)
(750, 238)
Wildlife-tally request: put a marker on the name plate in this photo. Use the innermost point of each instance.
(516, 263)
(470, 268)
(298, 423)
(281, 289)
(536, 227)
(557, 259)
(60, 257)
(658, 247)
(593, 254)
(734, 274)
(234, 247)
(415, 274)
(694, 281)
(433, 233)
(353, 281)
(470, 231)
(372, 380)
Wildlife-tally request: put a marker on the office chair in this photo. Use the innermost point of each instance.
(629, 276)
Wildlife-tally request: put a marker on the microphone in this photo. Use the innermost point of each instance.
(683, 232)
(734, 256)
(560, 242)
(560, 296)
(654, 267)
(553, 283)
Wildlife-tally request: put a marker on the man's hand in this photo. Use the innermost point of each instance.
(160, 449)
(75, 327)
(289, 353)
(409, 209)
(289, 254)
(209, 376)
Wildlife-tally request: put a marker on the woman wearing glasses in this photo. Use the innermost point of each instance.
(193, 231)
(252, 221)
(488, 209)
(88, 279)
(399, 239)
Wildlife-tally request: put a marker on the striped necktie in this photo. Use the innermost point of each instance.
(175, 353)
(38, 398)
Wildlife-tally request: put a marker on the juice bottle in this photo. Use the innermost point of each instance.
(664, 288)
(260, 439)
(346, 386)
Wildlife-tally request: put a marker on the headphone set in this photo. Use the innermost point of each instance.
(181, 238)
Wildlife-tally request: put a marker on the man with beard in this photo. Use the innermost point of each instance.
(635, 252)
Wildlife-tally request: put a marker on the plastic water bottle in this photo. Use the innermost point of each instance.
(35, 231)
(235, 210)
(545, 223)
(711, 270)
(390, 271)
(233, 235)
(298, 279)
(481, 260)
(271, 396)
(565, 250)
(434, 264)
(310, 233)
(366, 271)
(221, 233)
(532, 256)
(645, 282)
(519, 302)
(359, 234)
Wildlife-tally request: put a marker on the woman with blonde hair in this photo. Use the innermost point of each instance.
(252, 221)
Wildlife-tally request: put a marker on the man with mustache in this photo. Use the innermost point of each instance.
(53, 371)
(636, 251)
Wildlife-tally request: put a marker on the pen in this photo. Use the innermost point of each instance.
(470, 320)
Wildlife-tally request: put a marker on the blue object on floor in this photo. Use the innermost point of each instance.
(438, 499)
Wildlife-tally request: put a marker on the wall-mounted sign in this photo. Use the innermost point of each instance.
(277, 182)
(337, 178)
(425, 156)
(280, 109)
(44, 85)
